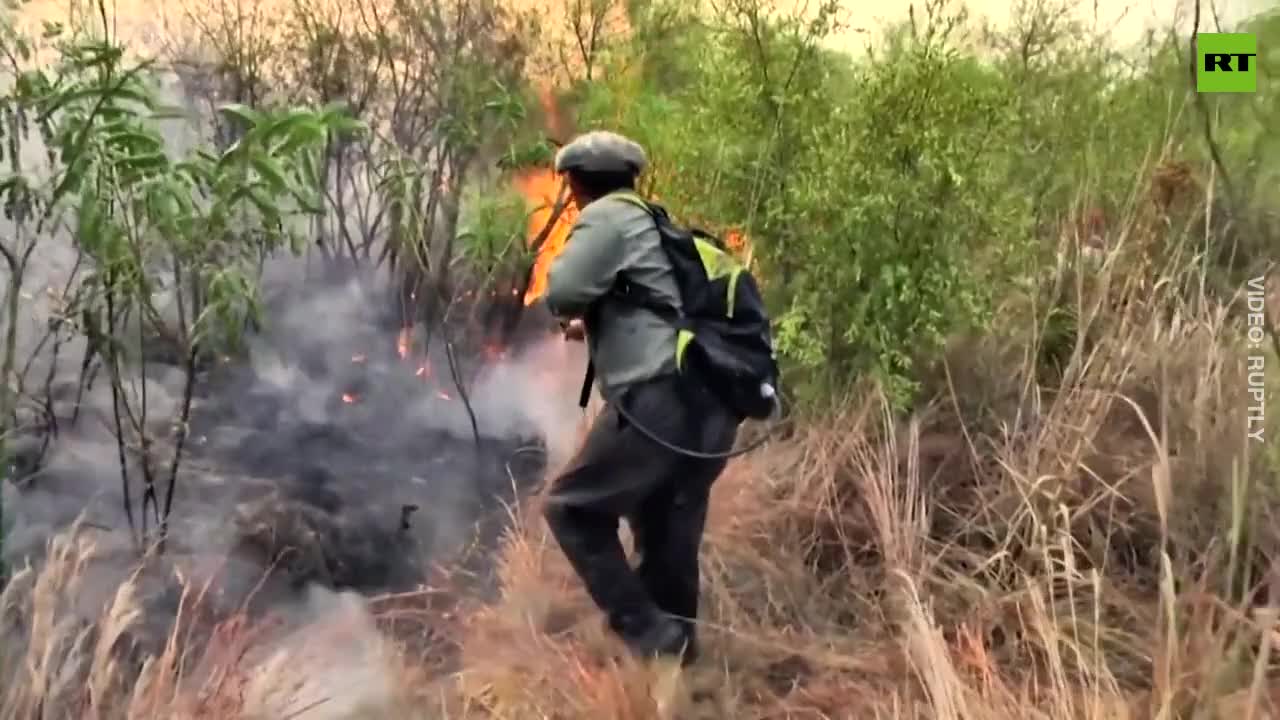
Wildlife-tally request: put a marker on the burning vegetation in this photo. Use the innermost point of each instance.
(550, 222)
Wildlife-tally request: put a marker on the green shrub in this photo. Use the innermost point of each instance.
(891, 200)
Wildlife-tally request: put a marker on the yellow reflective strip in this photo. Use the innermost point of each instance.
(683, 338)
(716, 262)
(732, 296)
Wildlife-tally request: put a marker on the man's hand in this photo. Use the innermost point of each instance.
(574, 330)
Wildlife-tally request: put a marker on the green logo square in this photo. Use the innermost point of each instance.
(1227, 63)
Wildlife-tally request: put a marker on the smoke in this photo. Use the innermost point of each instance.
(334, 665)
(323, 457)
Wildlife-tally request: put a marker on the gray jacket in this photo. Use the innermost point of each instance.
(628, 344)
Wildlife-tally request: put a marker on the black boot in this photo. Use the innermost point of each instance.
(688, 632)
(659, 637)
(690, 644)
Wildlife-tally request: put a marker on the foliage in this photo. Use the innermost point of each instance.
(438, 82)
(170, 243)
(887, 165)
(894, 200)
(493, 231)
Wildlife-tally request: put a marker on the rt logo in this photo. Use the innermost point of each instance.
(1227, 63)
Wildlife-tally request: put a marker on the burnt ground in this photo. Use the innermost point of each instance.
(287, 485)
(361, 497)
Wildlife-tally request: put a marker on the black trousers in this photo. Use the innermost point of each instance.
(621, 473)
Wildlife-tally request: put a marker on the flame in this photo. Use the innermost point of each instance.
(542, 187)
(737, 241)
(491, 351)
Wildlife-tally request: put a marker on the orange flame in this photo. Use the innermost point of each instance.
(542, 187)
(737, 241)
(403, 341)
(348, 398)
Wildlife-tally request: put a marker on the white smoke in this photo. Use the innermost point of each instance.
(335, 665)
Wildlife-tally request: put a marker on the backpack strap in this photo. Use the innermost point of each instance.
(624, 291)
(628, 293)
(589, 379)
(630, 196)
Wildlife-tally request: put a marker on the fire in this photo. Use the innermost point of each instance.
(348, 398)
(403, 342)
(542, 187)
(736, 241)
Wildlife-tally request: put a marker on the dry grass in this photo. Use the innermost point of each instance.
(1101, 548)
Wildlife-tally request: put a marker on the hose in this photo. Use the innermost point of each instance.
(773, 420)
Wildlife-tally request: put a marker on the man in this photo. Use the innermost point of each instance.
(620, 472)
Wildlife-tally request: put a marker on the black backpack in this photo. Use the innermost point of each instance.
(724, 338)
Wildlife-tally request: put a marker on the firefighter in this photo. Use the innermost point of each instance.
(620, 473)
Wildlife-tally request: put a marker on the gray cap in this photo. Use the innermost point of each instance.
(602, 151)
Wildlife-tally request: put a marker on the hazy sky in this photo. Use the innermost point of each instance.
(1127, 18)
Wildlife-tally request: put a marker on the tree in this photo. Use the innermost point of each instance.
(170, 244)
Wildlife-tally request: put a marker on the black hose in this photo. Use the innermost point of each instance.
(773, 419)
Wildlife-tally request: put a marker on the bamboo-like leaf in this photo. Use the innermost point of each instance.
(143, 161)
(244, 113)
(135, 140)
(89, 220)
(311, 202)
(270, 171)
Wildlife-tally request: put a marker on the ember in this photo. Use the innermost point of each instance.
(403, 341)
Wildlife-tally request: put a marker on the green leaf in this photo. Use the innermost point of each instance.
(270, 171)
(169, 112)
(243, 113)
(135, 141)
(89, 221)
(311, 202)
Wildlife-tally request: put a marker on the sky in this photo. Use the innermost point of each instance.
(1127, 19)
